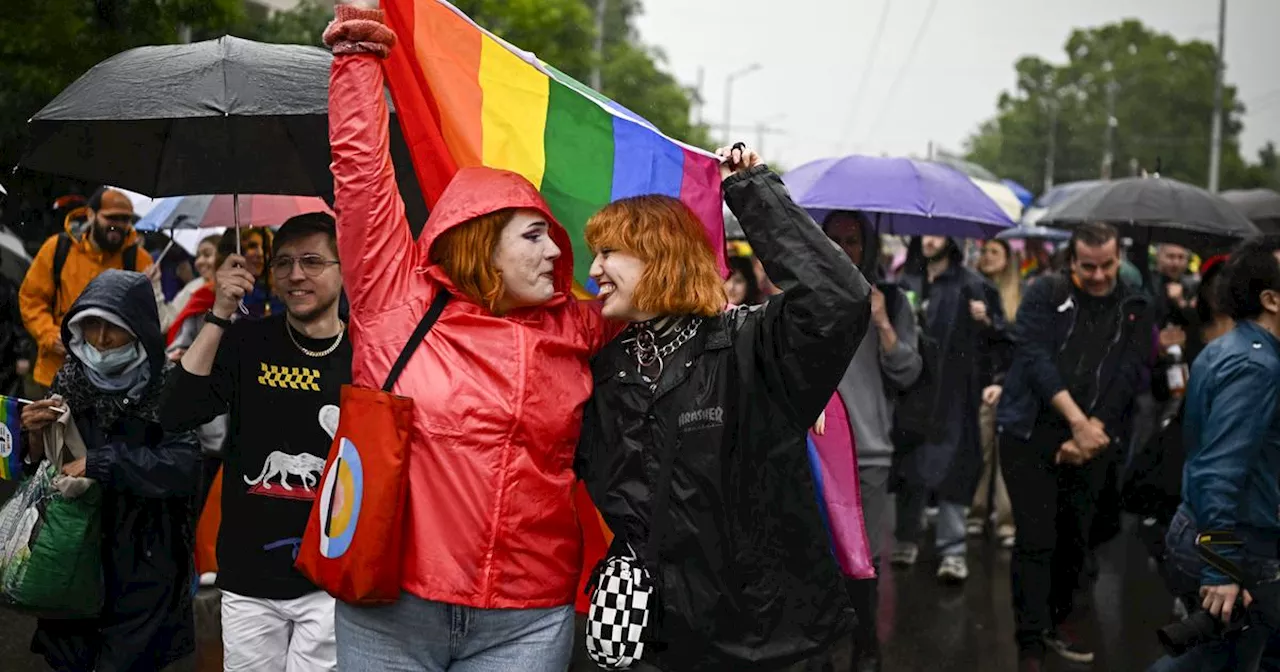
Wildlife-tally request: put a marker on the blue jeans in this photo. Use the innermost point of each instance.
(416, 635)
(1255, 648)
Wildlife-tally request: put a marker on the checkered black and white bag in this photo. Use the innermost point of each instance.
(621, 609)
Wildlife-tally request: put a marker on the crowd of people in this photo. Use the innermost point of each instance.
(976, 393)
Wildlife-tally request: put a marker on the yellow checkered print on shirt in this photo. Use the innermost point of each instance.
(289, 377)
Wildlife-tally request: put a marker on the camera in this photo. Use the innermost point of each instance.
(1202, 627)
(1199, 628)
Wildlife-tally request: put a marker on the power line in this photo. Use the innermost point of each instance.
(906, 65)
(866, 72)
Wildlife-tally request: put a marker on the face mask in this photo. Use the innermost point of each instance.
(109, 363)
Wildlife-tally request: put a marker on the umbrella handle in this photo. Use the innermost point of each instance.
(235, 213)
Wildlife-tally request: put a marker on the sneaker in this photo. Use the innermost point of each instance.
(1008, 542)
(975, 528)
(953, 570)
(208, 579)
(1006, 534)
(1059, 643)
(904, 554)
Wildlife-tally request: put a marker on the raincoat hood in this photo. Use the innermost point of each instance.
(474, 192)
(128, 295)
(869, 264)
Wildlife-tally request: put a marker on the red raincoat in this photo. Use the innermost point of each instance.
(499, 400)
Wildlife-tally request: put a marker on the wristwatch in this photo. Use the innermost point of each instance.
(210, 318)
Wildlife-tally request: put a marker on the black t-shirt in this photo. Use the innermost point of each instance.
(1096, 324)
(284, 412)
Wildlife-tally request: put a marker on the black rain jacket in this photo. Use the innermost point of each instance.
(746, 576)
(150, 479)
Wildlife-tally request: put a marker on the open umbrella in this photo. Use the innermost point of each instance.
(14, 260)
(909, 197)
(1052, 196)
(1003, 195)
(1034, 233)
(218, 211)
(224, 116)
(1154, 210)
(1261, 206)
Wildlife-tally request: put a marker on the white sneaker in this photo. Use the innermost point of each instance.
(953, 570)
(904, 554)
(208, 579)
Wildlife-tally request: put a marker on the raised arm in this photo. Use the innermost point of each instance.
(374, 242)
(808, 334)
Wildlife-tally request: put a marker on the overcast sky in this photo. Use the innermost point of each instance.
(813, 54)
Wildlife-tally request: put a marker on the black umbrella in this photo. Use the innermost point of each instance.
(1261, 206)
(224, 116)
(1154, 210)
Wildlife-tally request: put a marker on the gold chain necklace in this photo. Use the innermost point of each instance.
(313, 353)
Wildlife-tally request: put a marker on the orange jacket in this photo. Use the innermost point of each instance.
(499, 400)
(41, 314)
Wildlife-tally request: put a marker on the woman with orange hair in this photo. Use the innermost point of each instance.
(493, 548)
(693, 443)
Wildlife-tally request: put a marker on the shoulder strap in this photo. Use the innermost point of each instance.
(59, 260)
(424, 326)
(130, 258)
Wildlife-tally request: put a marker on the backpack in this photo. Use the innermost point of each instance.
(60, 253)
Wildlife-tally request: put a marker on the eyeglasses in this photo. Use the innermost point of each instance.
(312, 265)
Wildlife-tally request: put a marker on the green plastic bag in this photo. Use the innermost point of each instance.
(50, 549)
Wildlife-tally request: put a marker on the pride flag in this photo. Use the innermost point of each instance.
(10, 439)
(465, 97)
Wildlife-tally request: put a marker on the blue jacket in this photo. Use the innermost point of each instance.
(1046, 319)
(1232, 433)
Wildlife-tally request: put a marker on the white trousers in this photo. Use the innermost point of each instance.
(260, 635)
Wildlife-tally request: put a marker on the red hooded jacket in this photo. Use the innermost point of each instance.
(499, 400)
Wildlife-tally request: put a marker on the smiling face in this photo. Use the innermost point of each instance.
(525, 257)
(206, 257)
(306, 276)
(1096, 267)
(618, 273)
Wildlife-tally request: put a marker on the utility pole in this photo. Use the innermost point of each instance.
(1108, 156)
(1215, 139)
(1052, 152)
(601, 7)
(700, 100)
(728, 98)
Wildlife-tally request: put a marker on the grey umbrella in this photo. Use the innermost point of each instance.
(14, 260)
(1261, 206)
(223, 116)
(1154, 210)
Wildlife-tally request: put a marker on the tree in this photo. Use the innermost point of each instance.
(1162, 91)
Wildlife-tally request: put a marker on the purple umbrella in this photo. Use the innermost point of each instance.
(911, 198)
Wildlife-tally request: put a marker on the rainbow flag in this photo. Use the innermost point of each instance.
(10, 439)
(465, 97)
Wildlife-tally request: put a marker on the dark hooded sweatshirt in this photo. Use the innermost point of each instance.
(149, 478)
(873, 378)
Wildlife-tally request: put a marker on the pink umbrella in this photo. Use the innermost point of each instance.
(219, 210)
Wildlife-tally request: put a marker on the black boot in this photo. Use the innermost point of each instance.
(865, 596)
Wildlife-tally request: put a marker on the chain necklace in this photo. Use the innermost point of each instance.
(314, 353)
(647, 353)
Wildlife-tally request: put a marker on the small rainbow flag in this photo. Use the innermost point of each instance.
(10, 439)
(465, 97)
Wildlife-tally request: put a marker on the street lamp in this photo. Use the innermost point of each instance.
(728, 95)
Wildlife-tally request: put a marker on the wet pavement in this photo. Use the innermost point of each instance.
(924, 626)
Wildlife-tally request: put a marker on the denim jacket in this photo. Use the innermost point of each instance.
(1232, 434)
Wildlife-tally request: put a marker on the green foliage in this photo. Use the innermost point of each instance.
(1163, 108)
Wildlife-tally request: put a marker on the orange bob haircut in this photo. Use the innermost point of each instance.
(680, 275)
(465, 252)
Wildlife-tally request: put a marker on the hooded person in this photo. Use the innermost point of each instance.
(962, 313)
(885, 363)
(67, 262)
(499, 384)
(112, 382)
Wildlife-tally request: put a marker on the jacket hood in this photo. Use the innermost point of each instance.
(869, 264)
(479, 191)
(129, 295)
